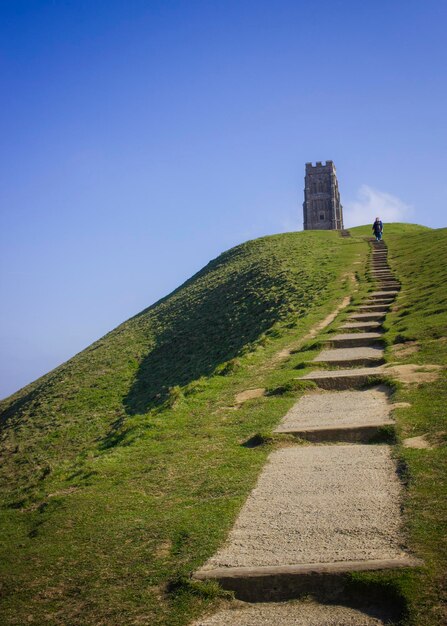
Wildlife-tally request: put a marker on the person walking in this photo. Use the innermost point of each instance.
(378, 229)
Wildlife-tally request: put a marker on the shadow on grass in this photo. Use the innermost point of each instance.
(205, 332)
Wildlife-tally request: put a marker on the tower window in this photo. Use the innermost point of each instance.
(322, 218)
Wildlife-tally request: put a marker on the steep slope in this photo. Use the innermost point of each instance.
(123, 468)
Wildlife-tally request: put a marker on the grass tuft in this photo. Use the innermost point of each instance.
(291, 387)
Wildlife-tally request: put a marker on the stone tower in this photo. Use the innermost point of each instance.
(322, 209)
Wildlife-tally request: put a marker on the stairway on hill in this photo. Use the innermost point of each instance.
(320, 512)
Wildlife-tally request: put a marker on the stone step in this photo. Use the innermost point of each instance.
(351, 357)
(378, 299)
(317, 514)
(297, 613)
(389, 287)
(367, 317)
(351, 433)
(360, 326)
(325, 416)
(355, 378)
(382, 302)
(378, 294)
(374, 307)
(327, 581)
(353, 340)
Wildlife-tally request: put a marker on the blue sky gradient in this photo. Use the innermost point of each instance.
(140, 139)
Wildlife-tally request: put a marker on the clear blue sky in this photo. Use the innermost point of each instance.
(140, 139)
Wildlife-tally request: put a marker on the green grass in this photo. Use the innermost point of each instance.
(124, 468)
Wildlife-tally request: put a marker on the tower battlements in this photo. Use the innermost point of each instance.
(321, 208)
(310, 166)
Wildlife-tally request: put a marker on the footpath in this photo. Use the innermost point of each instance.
(323, 511)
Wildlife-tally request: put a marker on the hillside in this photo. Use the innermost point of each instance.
(124, 468)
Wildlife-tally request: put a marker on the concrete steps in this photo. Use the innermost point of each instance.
(323, 582)
(383, 300)
(379, 306)
(355, 378)
(312, 519)
(296, 613)
(351, 357)
(367, 317)
(348, 416)
(319, 512)
(353, 340)
(379, 293)
(349, 326)
(384, 286)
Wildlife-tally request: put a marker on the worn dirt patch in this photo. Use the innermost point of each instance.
(401, 405)
(63, 492)
(411, 373)
(286, 352)
(420, 443)
(402, 350)
(249, 394)
(163, 549)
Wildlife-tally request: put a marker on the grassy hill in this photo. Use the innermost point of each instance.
(124, 468)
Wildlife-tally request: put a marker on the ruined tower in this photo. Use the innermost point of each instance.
(322, 209)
